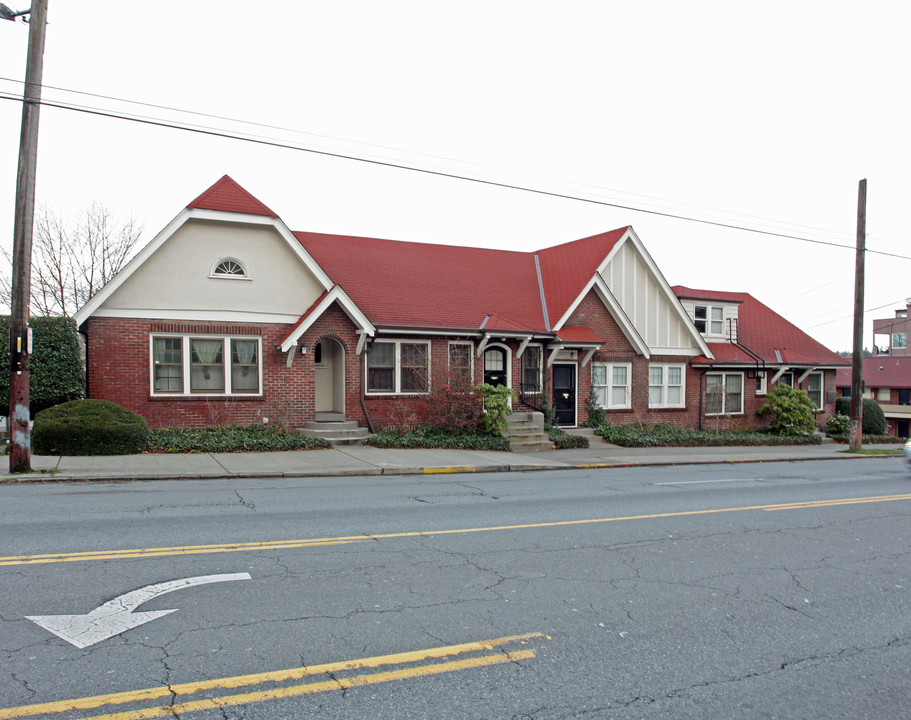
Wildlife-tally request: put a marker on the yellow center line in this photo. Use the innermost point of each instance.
(297, 673)
(321, 542)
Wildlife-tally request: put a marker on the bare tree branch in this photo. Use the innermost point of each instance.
(71, 261)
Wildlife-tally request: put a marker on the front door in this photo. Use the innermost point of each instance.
(329, 376)
(495, 366)
(565, 394)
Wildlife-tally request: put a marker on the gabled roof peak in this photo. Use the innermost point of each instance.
(227, 196)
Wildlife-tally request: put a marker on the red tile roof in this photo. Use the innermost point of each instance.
(409, 284)
(578, 334)
(764, 332)
(227, 196)
(567, 268)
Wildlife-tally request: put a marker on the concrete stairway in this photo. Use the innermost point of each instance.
(526, 432)
(336, 429)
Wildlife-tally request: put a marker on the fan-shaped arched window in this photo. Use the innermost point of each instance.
(229, 268)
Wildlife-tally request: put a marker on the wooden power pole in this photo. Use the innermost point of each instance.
(19, 417)
(857, 371)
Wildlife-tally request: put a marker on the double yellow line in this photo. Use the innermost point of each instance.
(319, 542)
(338, 676)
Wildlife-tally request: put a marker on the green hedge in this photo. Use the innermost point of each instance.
(430, 437)
(88, 427)
(230, 438)
(642, 435)
(55, 365)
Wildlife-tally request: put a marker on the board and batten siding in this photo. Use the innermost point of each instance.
(642, 297)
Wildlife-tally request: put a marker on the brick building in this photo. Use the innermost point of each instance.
(227, 316)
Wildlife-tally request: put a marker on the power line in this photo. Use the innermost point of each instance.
(270, 142)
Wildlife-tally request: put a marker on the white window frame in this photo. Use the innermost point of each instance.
(222, 276)
(725, 410)
(397, 369)
(822, 389)
(762, 383)
(664, 404)
(899, 340)
(186, 339)
(609, 386)
(708, 320)
(470, 346)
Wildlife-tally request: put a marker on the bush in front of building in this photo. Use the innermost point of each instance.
(874, 419)
(792, 411)
(88, 427)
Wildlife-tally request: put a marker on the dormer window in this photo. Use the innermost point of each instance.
(229, 268)
(709, 320)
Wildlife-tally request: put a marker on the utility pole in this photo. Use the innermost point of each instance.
(857, 372)
(20, 457)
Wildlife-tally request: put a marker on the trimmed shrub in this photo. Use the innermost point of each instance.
(88, 427)
(874, 419)
(792, 410)
(55, 365)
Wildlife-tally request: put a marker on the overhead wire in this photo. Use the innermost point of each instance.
(399, 165)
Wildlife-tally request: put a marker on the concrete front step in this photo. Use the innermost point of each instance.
(586, 432)
(338, 432)
(526, 432)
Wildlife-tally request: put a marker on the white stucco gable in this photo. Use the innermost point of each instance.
(174, 276)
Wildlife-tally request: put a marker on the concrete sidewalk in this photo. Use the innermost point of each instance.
(366, 460)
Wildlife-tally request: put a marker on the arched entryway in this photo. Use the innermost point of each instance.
(329, 376)
(496, 367)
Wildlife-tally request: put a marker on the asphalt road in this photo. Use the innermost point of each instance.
(770, 590)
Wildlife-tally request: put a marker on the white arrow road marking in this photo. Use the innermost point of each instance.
(117, 616)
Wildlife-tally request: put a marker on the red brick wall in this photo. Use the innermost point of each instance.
(118, 369)
(616, 348)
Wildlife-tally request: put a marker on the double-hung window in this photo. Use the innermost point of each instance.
(461, 362)
(723, 393)
(398, 367)
(709, 320)
(611, 385)
(531, 369)
(899, 340)
(206, 365)
(666, 386)
(815, 388)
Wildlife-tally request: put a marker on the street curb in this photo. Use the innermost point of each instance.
(45, 476)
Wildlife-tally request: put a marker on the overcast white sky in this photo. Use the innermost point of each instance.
(763, 115)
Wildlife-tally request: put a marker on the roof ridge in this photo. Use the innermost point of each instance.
(226, 195)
